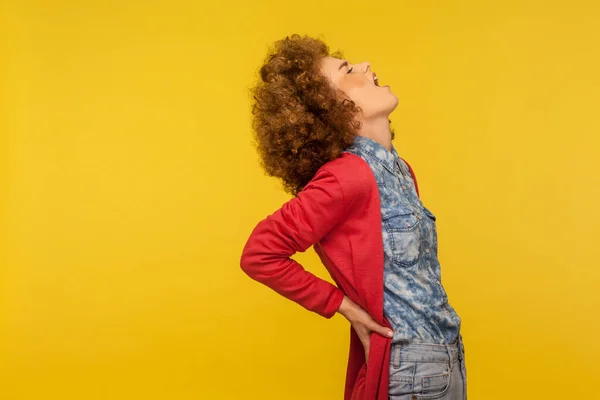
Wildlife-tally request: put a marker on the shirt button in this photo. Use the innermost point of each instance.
(418, 216)
(403, 187)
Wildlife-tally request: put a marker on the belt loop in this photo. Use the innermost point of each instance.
(396, 348)
(449, 356)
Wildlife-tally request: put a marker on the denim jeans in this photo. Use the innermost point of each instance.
(428, 371)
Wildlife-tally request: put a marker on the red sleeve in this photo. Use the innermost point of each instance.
(297, 225)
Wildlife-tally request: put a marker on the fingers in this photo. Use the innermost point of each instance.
(382, 330)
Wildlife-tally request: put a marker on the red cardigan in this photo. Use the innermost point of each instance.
(338, 212)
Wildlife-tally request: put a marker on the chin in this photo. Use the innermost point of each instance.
(393, 103)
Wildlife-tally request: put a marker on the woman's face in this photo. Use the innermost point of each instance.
(358, 82)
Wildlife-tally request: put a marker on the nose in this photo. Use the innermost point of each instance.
(365, 66)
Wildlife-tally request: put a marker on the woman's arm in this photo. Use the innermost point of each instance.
(297, 225)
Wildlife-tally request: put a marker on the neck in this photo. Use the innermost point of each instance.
(378, 130)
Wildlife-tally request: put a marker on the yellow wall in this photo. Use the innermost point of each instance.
(130, 187)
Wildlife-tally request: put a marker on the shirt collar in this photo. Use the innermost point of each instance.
(377, 152)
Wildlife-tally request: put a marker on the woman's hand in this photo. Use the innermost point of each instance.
(362, 323)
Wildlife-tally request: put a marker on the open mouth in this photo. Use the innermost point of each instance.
(375, 79)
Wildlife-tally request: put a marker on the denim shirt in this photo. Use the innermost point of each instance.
(414, 300)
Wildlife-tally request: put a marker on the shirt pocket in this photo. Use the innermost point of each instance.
(403, 230)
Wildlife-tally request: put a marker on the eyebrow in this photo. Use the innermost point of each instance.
(344, 64)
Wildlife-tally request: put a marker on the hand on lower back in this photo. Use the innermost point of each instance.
(362, 323)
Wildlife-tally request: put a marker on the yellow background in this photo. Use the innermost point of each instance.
(130, 185)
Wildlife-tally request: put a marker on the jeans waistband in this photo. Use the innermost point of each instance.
(426, 352)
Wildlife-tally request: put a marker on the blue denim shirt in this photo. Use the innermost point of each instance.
(415, 302)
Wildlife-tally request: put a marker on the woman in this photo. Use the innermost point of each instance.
(322, 126)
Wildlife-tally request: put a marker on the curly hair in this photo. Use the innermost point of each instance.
(300, 121)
